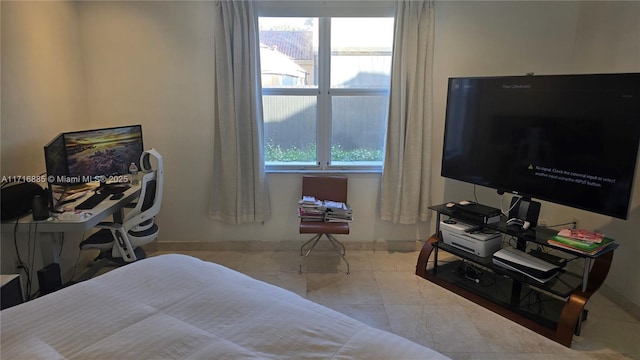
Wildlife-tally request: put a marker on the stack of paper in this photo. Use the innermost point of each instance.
(337, 212)
(312, 209)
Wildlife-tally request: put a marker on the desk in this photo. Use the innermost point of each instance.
(50, 250)
(99, 213)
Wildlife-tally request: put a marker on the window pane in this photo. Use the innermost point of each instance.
(361, 52)
(358, 129)
(288, 52)
(290, 129)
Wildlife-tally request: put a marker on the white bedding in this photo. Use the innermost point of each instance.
(176, 306)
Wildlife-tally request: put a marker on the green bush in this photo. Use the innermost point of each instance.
(355, 155)
(275, 153)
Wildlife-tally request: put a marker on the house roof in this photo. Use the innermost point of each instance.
(275, 63)
(296, 44)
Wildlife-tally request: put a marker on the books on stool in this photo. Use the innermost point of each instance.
(311, 209)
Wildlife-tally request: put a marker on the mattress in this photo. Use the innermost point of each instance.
(179, 307)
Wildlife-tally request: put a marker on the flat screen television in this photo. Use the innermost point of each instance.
(566, 139)
(93, 155)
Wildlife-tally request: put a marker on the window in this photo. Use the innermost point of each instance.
(325, 90)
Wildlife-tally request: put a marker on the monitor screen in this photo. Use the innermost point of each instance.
(567, 139)
(56, 161)
(93, 155)
(104, 151)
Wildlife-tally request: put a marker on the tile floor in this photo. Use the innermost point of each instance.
(383, 291)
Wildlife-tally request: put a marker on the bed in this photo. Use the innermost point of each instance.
(179, 307)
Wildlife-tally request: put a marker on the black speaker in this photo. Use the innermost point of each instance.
(39, 208)
(17, 199)
(525, 209)
(49, 278)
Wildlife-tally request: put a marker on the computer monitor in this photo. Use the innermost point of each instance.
(55, 158)
(93, 155)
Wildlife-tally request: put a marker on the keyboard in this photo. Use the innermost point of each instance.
(92, 201)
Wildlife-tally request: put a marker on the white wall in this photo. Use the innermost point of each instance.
(115, 63)
(150, 62)
(43, 94)
(43, 90)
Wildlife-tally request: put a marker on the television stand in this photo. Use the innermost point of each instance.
(559, 308)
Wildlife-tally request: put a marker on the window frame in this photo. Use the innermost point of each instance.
(324, 94)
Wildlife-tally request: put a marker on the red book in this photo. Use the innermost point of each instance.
(581, 234)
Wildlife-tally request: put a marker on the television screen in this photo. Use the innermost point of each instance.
(567, 139)
(93, 155)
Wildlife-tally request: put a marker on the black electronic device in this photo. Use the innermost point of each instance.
(116, 196)
(39, 208)
(49, 278)
(93, 155)
(478, 213)
(92, 201)
(17, 199)
(568, 139)
(115, 188)
(550, 258)
(525, 210)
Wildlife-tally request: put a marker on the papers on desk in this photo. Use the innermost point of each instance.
(68, 197)
(64, 193)
(73, 216)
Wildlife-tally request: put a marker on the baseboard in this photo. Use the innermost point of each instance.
(624, 303)
(288, 245)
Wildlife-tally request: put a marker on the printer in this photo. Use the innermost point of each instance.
(470, 238)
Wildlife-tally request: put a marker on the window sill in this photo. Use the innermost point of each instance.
(323, 171)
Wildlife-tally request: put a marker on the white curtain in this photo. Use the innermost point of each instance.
(239, 192)
(406, 176)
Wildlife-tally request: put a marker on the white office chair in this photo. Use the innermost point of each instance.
(121, 243)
